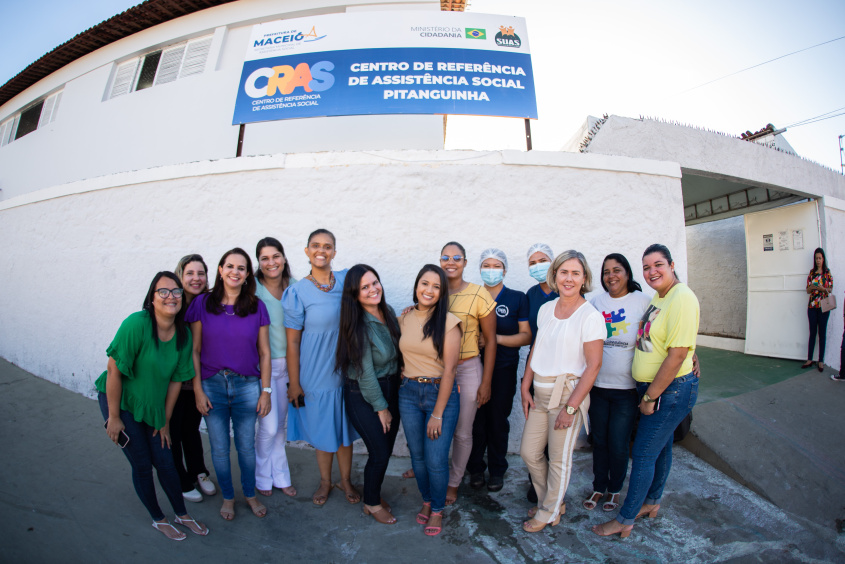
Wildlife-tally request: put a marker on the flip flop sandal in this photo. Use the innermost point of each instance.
(196, 528)
(352, 496)
(181, 536)
(257, 507)
(228, 513)
(321, 500)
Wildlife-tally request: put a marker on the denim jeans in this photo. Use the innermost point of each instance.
(612, 415)
(491, 428)
(144, 452)
(429, 458)
(653, 446)
(818, 323)
(233, 398)
(367, 423)
(185, 438)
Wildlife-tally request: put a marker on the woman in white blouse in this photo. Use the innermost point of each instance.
(563, 365)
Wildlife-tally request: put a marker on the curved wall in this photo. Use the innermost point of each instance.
(80, 257)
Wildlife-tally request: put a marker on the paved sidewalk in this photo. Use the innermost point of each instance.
(67, 496)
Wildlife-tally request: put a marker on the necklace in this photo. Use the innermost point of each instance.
(323, 287)
(417, 317)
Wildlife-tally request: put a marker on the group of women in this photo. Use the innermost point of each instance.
(446, 367)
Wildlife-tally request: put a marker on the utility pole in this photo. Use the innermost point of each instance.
(841, 162)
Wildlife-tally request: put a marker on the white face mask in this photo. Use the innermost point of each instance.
(538, 271)
(492, 276)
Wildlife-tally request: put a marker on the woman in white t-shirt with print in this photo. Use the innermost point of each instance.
(614, 399)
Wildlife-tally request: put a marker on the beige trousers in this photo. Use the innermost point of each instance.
(550, 478)
(469, 380)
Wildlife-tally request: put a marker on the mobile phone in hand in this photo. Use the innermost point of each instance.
(300, 399)
(122, 438)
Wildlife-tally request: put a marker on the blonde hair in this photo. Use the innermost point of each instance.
(562, 258)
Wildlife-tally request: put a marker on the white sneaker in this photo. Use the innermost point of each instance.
(206, 485)
(192, 495)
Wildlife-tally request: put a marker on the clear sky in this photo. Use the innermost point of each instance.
(604, 56)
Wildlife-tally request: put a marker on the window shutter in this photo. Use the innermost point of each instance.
(46, 111)
(123, 78)
(11, 127)
(3, 127)
(56, 106)
(196, 55)
(171, 62)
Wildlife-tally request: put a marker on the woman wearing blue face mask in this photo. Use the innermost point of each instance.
(540, 258)
(490, 428)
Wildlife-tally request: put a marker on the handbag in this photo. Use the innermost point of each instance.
(828, 303)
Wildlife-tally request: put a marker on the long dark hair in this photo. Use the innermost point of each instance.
(181, 327)
(354, 338)
(663, 250)
(825, 269)
(633, 285)
(272, 242)
(435, 327)
(246, 303)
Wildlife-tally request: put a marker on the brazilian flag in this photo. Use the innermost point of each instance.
(474, 33)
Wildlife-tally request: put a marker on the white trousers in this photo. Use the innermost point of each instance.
(271, 461)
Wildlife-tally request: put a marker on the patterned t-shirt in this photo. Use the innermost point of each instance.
(469, 305)
(825, 280)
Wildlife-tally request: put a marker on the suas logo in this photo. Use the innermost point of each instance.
(286, 78)
(289, 37)
(508, 38)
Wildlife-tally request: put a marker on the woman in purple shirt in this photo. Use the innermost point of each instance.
(232, 371)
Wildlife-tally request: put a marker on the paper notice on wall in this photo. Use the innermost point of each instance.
(797, 239)
(783, 240)
(768, 242)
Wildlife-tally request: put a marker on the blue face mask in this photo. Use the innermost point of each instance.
(492, 276)
(538, 271)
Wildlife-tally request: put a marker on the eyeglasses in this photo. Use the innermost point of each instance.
(175, 292)
(456, 258)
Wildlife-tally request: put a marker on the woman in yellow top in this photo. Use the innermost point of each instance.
(472, 304)
(663, 369)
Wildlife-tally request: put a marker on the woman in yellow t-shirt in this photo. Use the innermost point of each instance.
(663, 369)
(472, 304)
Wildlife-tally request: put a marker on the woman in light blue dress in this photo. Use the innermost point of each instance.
(312, 320)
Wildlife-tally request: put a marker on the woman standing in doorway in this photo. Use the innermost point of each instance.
(271, 462)
(668, 387)
(312, 322)
(473, 305)
(185, 423)
(819, 286)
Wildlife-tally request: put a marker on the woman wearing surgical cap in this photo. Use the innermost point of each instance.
(491, 428)
(540, 258)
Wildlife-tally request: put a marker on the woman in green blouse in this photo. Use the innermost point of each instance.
(368, 357)
(149, 359)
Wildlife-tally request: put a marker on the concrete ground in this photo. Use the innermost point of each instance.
(67, 496)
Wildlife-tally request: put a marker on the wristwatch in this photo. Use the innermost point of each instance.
(570, 410)
(648, 399)
(268, 390)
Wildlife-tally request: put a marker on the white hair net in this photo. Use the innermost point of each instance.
(541, 248)
(494, 253)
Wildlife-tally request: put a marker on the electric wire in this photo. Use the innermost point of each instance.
(812, 119)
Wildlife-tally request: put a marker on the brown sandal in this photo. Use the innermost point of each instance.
(352, 495)
(257, 507)
(380, 514)
(321, 498)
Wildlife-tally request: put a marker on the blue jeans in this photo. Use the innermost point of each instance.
(653, 445)
(233, 398)
(612, 415)
(429, 458)
(143, 452)
(367, 423)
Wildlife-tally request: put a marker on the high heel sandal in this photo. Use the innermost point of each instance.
(535, 526)
(624, 532)
(612, 503)
(381, 515)
(591, 502)
(651, 513)
(422, 518)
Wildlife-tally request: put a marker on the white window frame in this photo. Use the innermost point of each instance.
(49, 112)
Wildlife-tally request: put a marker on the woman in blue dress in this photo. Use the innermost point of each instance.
(312, 321)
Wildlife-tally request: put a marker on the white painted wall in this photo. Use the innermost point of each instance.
(717, 275)
(833, 223)
(187, 120)
(79, 257)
